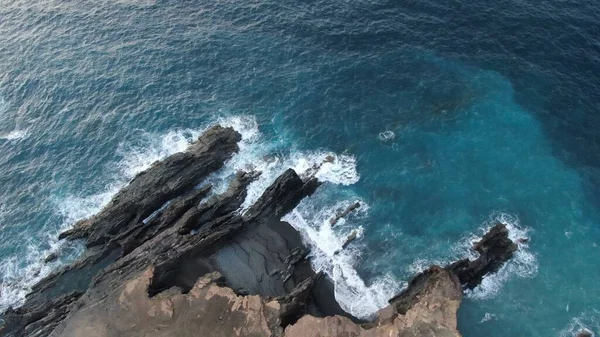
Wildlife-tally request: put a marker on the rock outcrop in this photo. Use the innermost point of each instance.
(495, 248)
(167, 258)
(152, 188)
(427, 308)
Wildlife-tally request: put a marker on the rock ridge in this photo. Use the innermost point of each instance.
(169, 257)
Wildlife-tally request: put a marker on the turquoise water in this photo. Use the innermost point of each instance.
(444, 117)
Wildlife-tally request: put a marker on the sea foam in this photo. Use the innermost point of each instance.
(523, 264)
(15, 135)
(589, 320)
(20, 273)
(312, 219)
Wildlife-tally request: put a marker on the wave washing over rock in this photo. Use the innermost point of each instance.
(313, 221)
(167, 249)
(21, 273)
(523, 264)
(583, 325)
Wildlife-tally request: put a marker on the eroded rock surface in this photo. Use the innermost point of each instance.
(208, 309)
(167, 258)
(427, 308)
(495, 248)
(160, 183)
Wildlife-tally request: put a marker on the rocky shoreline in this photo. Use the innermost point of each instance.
(166, 257)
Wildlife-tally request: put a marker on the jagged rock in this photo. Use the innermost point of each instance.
(219, 205)
(37, 319)
(295, 304)
(166, 179)
(495, 248)
(179, 259)
(166, 218)
(427, 308)
(353, 235)
(164, 276)
(51, 257)
(281, 197)
(345, 213)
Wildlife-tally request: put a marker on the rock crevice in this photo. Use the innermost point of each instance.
(165, 257)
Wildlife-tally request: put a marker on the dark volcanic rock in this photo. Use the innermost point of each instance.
(166, 218)
(345, 213)
(295, 304)
(166, 180)
(281, 197)
(495, 248)
(218, 205)
(163, 260)
(37, 319)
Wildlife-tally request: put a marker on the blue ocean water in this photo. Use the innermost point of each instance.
(444, 117)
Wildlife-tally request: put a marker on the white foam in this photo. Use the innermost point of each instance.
(151, 148)
(255, 153)
(487, 317)
(266, 156)
(523, 264)
(386, 136)
(20, 273)
(589, 321)
(15, 135)
(353, 294)
(249, 157)
(269, 157)
(312, 219)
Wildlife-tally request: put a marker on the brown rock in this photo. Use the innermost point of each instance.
(585, 333)
(427, 308)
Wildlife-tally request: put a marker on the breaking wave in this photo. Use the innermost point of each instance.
(312, 219)
(15, 135)
(589, 321)
(20, 273)
(523, 264)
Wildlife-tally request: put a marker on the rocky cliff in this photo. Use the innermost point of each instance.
(166, 257)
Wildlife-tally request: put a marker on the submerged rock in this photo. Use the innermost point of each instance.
(51, 257)
(350, 238)
(345, 213)
(585, 333)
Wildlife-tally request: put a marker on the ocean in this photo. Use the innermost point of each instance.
(444, 117)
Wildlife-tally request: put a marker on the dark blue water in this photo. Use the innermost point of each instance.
(444, 117)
